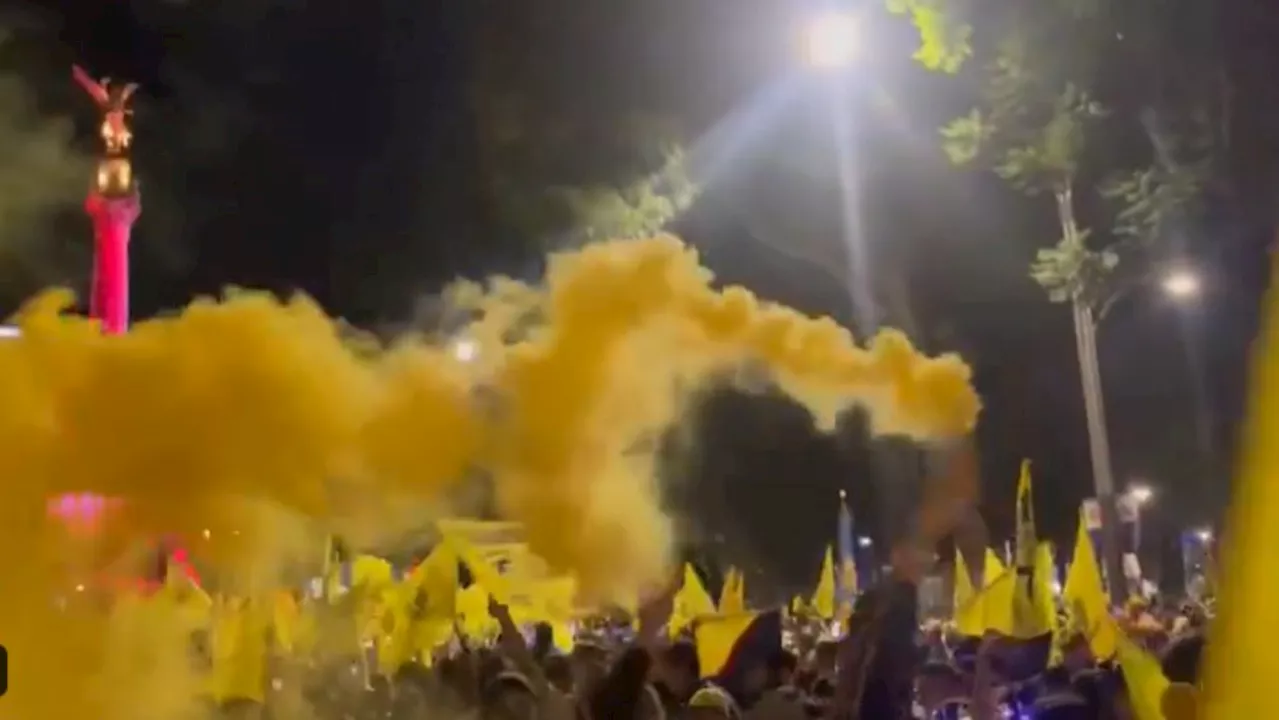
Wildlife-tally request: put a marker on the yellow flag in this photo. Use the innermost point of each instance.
(991, 608)
(435, 584)
(992, 568)
(1086, 599)
(191, 603)
(691, 601)
(732, 599)
(1241, 652)
(1034, 612)
(1025, 522)
(396, 638)
(286, 616)
(239, 651)
(485, 574)
(553, 603)
(331, 573)
(997, 604)
(370, 573)
(473, 611)
(824, 596)
(715, 638)
(1144, 681)
(988, 609)
(797, 606)
(147, 640)
(966, 605)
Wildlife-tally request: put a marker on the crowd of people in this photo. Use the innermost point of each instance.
(907, 670)
(459, 636)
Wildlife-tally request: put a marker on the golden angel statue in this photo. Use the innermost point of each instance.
(113, 103)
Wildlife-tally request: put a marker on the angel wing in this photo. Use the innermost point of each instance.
(96, 90)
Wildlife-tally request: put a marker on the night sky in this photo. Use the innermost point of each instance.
(352, 169)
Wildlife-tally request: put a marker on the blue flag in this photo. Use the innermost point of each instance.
(846, 581)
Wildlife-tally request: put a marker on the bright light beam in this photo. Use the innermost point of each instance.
(830, 40)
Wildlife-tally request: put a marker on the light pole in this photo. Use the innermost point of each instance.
(831, 42)
(1137, 497)
(1180, 285)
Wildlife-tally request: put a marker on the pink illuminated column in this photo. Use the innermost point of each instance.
(113, 218)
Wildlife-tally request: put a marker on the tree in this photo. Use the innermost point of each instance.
(41, 177)
(1032, 126)
(944, 42)
(558, 167)
(1038, 113)
(640, 207)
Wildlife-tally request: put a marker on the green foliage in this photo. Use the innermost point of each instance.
(944, 42)
(1070, 269)
(643, 207)
(557, 170)
(1031, 127)
(963, 137)
(553, 181)
(1029, 132)
(1151, 199)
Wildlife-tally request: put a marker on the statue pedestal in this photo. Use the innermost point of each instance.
(113, 216)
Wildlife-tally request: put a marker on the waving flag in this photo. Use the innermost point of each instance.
(1241, 654)
(824, 595)
(847, 583)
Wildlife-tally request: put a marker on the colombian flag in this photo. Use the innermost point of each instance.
(728, 645)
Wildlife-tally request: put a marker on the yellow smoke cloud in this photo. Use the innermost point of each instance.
(251, 418)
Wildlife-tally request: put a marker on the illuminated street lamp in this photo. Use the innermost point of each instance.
(1204, 535)
(1181, 284)
(1137, 497)
(465, 351)
(830, 40)
(1140, 495)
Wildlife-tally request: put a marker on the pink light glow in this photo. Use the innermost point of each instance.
(82, 512)
(113, 219)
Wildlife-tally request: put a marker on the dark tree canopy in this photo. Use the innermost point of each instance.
(43, 177)
(556, 170)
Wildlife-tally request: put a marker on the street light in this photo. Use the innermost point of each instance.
(1181, 284)
(1204, 535)
(1086, 316)
(1140, 495)
(465, 350)
(830, 40)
